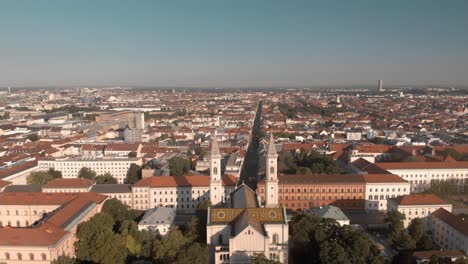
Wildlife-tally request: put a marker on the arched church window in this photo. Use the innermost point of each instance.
(275, 238)
(272, 169)
(215, 170)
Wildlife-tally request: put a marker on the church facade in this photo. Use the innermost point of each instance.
(241, 228)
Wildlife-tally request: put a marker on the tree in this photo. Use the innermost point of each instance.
(134, 173)
(416, 229)
(179, 166)
(132, 154)
(317, 240)
(55, 173)
(425, 242)
(261, 259)
(395, 219)
(86, 173)
(195, 253)
(117, 210)
(33, 137)
(98, 243)
(39, 177)
(166, 249)
(405, 242)
(332, 253)
(303, 170)
(106, 178)
(64, 260)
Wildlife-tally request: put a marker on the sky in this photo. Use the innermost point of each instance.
(238, 43)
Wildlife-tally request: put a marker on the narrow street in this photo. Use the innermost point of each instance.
(250, 168)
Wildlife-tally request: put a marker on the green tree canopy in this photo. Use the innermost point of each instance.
(106, 178)
(166, 249)
(64, 260)
(39, 177)
(132, 154)
(195, 253)
(395, 219)
(118, 211)
(317, 240)
(179, 166)
(134, 173)
(416, 229)
(97, 242)
(86, 173)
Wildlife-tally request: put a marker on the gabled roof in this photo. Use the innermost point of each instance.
(418, 199)
(244, 197)
(383, 178)
(183, 181)
(330, 211)
(423, 165)
(369, 167)
(452, 220)
(69, 183)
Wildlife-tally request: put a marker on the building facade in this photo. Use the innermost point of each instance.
(450, 231)
(417, 206)
(117, 167)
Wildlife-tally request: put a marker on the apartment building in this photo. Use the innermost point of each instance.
(381, 187)
(450, 231)
(70, 167)
(421, 174)
(51, 220)
(417, 206)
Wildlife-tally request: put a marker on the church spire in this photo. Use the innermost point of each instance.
(271, 147)
(215, 148)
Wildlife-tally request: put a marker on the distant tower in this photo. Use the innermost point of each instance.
(216, 191)
(381, 86)
(338, 100)
(271, 179)
(9, 90)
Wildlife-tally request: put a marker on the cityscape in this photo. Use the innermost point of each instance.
(119, 151)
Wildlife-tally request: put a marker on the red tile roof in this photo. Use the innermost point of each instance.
(423, 165)
(35, 198)
(452, 220)
(69, 183)
(439, 253)
(383, 178)
(51, 231)
(183, 181)
(4, 183)
(45, 235)
(419, 199)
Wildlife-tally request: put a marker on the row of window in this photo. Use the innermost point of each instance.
(19, 256)
(311, 197)
(388, 189)
(18, 223)
(317, 190)
(35, 212)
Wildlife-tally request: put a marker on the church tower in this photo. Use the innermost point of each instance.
(271, 179)
(216, 191)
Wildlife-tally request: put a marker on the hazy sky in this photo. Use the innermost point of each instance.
(223, 43)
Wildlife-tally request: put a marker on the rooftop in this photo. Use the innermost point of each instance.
(418, 199)
(452, 220)
(69, 183)
(183, 181)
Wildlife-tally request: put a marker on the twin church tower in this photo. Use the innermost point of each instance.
(271, 177)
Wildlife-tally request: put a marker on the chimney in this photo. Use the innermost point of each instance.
(414, 152)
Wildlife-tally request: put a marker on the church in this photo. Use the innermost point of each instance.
(239, 228)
